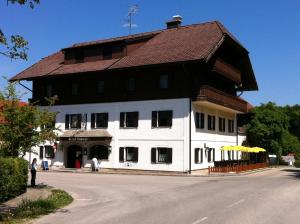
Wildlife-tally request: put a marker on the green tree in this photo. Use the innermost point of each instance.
(15, 47)
(266, 128)
(19, 130)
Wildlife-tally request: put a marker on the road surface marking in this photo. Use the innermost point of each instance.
(200, 220)
(236, 203)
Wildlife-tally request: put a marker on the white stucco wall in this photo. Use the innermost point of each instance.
(144, 137)
(211, 139)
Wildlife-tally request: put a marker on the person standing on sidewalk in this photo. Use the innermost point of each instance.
(33, 170)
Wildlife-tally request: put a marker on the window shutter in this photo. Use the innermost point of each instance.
(213, 154)
(202, 120)
(121, 154)
(78, 121)
(196, 155)
(153, 155)
(106, 120)
(135, 154)
(214, 123)
(197, 120)
(169, 155)
(136, 119)
(93, 120)
(170, 118)
(201, 155)
(154, 119)
(41, 152)
(67, 121)
(122, 119)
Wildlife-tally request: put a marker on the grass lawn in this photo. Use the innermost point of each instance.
(33, 209)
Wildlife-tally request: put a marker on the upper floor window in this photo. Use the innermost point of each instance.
(161, 155)
(230, 126)
(198, 155)
(200, 120)
(163, 81)
(49, 90)
(222, 124)
(79, 56)
(74, 89)
(130, 84)
(129, 119)
(100, 87)
(99, 120)
(73, 121)
(162, 118)
(128, 154)
(211, 122)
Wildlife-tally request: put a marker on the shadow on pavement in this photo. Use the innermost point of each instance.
(294, 172)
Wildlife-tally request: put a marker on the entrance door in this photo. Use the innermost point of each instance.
(74, 157)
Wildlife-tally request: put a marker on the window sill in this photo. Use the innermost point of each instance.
(163, 127)
(128, 127)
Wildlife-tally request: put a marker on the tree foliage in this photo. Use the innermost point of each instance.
(15, 47)
(19, 130)
(275, 128)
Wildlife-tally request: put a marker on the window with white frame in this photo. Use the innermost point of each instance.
(198, 155)
(162, 118)
(230, 125)
(73, 121)
(128, 154)
(129, 119)
(99, 120)
(210, 155)
(211, 122)
(200, 120)
(161, 155)
(222, 155)
(49, 152)
(222, 122)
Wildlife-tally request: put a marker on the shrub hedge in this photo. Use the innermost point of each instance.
(297, 163)
(13, 177)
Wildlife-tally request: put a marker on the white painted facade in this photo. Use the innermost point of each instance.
(144, 137)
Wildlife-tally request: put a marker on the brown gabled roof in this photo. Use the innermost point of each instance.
(185, 43)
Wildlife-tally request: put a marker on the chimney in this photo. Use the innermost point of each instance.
(175, 22)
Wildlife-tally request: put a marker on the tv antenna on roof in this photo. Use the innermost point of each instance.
(132, 10)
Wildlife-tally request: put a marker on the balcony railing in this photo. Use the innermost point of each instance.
(208, 93)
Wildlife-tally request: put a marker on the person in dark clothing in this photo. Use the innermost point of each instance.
(33, 169)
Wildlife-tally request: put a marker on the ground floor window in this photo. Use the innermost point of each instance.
(99, 152)
(128, 154)
(161, 155)
(222, 155)
(47, 151)
(198, 155)
(210, 155)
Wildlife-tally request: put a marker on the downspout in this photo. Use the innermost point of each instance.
(190, 119)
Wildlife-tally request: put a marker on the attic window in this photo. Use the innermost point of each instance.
(79, 56)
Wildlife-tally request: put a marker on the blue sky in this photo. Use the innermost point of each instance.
(269, 29)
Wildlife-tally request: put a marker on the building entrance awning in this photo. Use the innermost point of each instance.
(85, 138)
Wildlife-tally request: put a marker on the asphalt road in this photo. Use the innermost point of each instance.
(269, 197)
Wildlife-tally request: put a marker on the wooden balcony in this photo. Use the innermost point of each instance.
(227, 70)
(215, 96)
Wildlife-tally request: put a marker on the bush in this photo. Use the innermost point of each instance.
(13, 177)
(297, 163)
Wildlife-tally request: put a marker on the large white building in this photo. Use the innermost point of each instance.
(164, 100)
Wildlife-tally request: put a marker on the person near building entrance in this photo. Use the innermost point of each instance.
(33, 170)
(95, 164)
